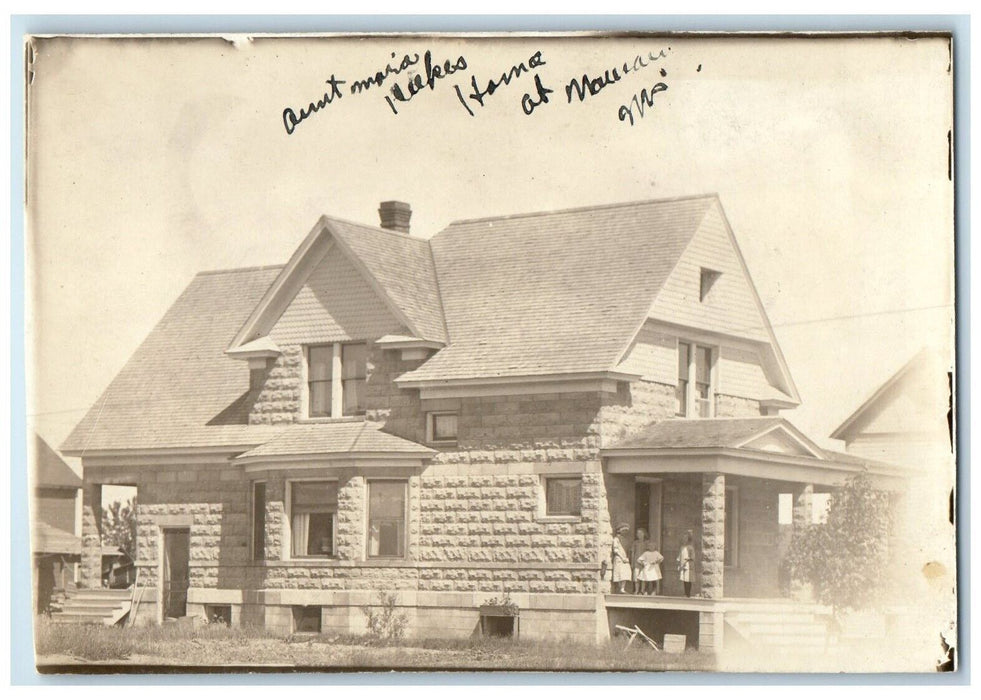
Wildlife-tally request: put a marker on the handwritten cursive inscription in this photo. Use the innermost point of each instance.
(640, 101)
(587, 86)
(513, 73)
(290, 118)
(359, 86)
(417, 83)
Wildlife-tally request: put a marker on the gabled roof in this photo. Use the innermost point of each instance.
(732, 433)
(553, 293)
(179, 389)
(350, 439)
(47, 539)
(52, 470)
(398, 267)
(922, 361)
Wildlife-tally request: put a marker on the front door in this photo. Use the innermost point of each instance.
(647, 508)
(177, 550)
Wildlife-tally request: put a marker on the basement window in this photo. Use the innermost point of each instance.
(306, 618)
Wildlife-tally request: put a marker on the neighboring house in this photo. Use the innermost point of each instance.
(54, 540)
(457, 418)
(905, 422)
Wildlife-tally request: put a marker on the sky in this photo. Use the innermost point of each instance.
(152, 160)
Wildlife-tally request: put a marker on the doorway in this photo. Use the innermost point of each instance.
(647, 508)
(176, 555)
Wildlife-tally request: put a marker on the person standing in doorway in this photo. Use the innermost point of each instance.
(637, 550)
(686, 559)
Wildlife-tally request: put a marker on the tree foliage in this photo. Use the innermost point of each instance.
(119, 526)
(845, 558)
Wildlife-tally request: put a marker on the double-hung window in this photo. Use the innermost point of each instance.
(313, 518)
(695, 391)
(387, 500)
(336, 376)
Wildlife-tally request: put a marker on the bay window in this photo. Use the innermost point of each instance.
(313, 518)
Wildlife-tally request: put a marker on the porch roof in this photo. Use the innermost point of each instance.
(47, 539)
(766, 447)
(359, 440)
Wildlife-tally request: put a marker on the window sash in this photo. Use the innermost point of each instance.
(563, 496)
(313, 518)
(445, 426)
(386, 518)
(731, 544)
(258, 521)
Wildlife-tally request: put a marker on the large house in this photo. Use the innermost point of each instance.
(460, 418)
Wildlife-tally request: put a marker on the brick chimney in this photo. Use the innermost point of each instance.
(395, 216)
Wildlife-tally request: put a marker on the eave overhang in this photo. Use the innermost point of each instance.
(336, 460)
(527, 384)
(749, 463)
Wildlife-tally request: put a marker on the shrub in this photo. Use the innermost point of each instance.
(845, 559)
(387, 622)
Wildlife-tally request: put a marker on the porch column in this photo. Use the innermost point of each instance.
(91, 559)
(804, 506)
(713, 534)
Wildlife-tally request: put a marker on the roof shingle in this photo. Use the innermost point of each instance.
(179, 381)
(553, 293)
(336, 438)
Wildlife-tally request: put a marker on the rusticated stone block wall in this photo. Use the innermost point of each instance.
(713, 535)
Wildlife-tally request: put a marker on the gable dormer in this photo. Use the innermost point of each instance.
(308, 342)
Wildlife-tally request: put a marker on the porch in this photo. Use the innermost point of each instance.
(735, 490)
(712, 624)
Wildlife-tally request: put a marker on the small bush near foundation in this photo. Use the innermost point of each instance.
(386, 622)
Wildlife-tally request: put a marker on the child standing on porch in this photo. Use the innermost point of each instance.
(685, 559)
(649, 567)
(637, 550)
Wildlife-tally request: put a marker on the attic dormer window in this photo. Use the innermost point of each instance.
(708, 280)
(336, 376)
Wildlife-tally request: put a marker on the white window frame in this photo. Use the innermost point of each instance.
(543, 513)
(732, 534)
(252, 512)
(691, 402)
(287, 543)
(431, 427)
(336, 380)
(367, 520)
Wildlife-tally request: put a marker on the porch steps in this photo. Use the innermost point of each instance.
(94, 607)
(785, 626)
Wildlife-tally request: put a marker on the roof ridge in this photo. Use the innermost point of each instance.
(594, 207)
(227, 270)
(378, 229)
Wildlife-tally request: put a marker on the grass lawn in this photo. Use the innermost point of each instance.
(62, 646)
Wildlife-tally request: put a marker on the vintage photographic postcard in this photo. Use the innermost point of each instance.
(492, 352)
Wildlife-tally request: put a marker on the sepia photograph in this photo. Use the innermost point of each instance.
(491, 352)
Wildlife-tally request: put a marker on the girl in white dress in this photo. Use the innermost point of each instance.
(649, 569)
